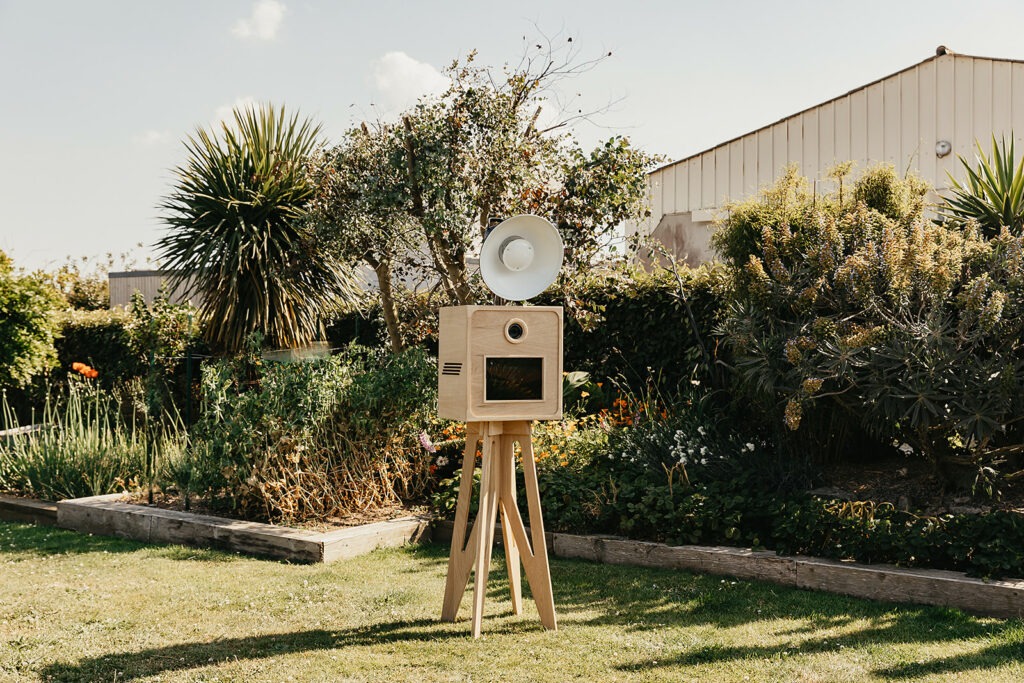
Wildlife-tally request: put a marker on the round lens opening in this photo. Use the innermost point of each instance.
(515, 331)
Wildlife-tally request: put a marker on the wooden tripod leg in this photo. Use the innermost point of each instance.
(462, 555)
(485, 520)
(538, 571)
(508, 501)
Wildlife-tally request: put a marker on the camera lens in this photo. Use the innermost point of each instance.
(515, 331)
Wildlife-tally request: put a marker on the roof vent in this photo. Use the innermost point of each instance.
(942, 50)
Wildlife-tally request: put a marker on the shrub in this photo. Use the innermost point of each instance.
(85, 446)
(633, 326)
(993, 194)
(305, 441)
(27, 325)
(863, 316)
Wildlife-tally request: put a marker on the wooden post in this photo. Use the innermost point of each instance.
(498, 495)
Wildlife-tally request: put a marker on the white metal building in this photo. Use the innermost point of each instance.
(919, 119)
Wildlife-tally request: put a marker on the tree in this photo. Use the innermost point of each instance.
(28, 325)
(239, 236)
(417, 195)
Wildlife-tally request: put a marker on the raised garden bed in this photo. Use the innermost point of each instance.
(110, 516)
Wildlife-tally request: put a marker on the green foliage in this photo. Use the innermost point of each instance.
(598, 192)
(866, 317)
(238, 235)
(86, 446)
(993, 193)
(305, 441)
(28, 325)
(632, 327)
(101, 339)
(412, 199)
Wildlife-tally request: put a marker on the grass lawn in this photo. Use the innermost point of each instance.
(81, 608)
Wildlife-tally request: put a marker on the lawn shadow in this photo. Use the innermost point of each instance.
(648, 599)
(16, 537)
(126, 666)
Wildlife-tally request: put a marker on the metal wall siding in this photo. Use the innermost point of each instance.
(897, 120)
(765, 169)
(682, 184)
(927, 117)
(668, 190)
(750, 169)
(721, 176)
(811, 164)
(1002, 85)
(909, 122)
(875, 126)
(826, 137)
(693, 198)
(735, 169)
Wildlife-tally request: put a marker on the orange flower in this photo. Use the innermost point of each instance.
(85, 370)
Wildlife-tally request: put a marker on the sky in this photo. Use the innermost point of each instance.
(96, 97)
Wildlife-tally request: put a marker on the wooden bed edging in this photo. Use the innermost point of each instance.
(1004, 598)
(876, 582)
(108, 516)
(41, 512)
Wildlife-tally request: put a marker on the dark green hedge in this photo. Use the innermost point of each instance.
(100, 339)
(634, 326)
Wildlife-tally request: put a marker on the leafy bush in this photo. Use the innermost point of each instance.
(85, 446)
(863, 316)
(27, 325)
(304, 441)
(102, 339)
(633, 326)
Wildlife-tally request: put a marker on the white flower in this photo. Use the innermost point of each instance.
(749, 446)
(906, 449)
(700, 430)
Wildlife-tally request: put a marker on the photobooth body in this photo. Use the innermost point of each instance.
(499, 369)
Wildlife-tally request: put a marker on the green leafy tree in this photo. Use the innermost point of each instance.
(413, 198)
(993, 193)
(239, 236)
(28, 325)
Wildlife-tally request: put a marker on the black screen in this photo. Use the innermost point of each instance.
(514, 379)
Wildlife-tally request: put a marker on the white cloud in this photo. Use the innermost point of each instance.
(401, 80)
(263, 23)
(151, 138)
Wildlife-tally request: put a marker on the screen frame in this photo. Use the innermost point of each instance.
(516, 401)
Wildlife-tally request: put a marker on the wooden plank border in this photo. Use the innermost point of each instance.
(109, 516)
(41, 512)
(885, 583)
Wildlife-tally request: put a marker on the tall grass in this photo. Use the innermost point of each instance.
(86, 446)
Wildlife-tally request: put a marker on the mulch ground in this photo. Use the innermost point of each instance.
(913, 484)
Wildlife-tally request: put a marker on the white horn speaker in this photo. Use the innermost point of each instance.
(521, 257)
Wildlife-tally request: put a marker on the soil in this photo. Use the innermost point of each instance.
(913, 484)
(174, 501)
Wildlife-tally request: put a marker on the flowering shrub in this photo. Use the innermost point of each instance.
(858, 314)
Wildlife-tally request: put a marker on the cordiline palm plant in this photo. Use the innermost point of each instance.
(239, 238)
(993, 193)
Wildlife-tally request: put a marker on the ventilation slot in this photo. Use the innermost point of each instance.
(451, 369)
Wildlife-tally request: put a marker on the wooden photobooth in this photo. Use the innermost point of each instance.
(499, 368)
